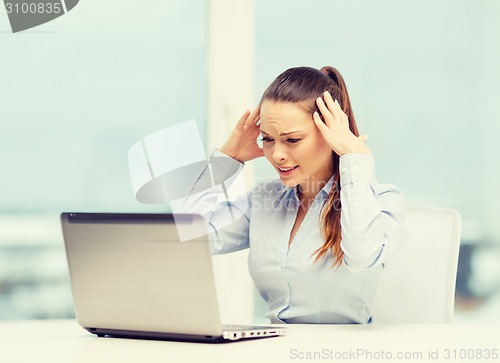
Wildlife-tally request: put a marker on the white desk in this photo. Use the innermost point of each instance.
(64, 341)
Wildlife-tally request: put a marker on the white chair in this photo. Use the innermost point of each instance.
(417, 284)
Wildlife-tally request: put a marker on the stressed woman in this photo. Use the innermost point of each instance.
(318, 236)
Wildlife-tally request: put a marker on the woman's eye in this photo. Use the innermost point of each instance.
(293, 141)
(266, 139)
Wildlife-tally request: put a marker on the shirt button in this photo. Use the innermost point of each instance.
(343, 170)
(358, 203)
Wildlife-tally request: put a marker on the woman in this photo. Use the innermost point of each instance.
(318, 238)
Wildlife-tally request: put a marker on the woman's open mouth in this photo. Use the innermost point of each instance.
(285, 171)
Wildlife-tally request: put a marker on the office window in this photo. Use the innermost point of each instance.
(75, 94)
(422, 79)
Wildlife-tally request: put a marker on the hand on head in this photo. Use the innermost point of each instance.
(242, 143)
(335, 128)
(299, 86)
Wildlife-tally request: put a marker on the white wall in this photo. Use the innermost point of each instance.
(230, 93)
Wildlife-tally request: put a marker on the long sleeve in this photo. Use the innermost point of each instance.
(221, 199)
(372, 214)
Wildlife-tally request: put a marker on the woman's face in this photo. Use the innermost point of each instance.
(294, 145)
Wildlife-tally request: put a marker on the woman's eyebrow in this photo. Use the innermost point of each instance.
(282, 134)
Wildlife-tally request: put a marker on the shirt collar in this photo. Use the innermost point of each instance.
(328, 186)
(287, 190)
(325, 190)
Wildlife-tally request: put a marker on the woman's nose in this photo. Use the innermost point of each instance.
(279, 153)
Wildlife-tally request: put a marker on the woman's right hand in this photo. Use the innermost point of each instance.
(242, 143)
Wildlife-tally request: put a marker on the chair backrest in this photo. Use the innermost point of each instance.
(417, 284)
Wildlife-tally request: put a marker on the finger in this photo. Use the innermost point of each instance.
(345, 121)
(320, 124)
(363, 138)
(257, 122)
(243, 118)
(334, 107)
(253, 117)
(344, 118)
(327, 115)
(252, 130)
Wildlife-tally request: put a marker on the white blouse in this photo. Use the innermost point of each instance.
(296, 289)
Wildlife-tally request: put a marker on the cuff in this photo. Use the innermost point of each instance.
(219, 154)
(356, 168)
(223, 167)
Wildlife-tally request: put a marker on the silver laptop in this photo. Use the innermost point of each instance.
(131, 276)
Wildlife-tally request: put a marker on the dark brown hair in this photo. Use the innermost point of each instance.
(302, 85)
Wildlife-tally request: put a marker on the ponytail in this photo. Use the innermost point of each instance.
(345, 102)
(331, 210)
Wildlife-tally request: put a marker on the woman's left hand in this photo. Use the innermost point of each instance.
(335, 129)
